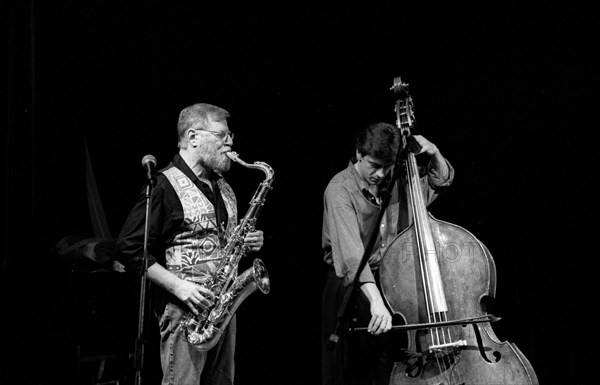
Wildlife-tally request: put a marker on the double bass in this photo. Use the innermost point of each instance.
(436, 276)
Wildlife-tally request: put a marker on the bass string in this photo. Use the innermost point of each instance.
(439, 336)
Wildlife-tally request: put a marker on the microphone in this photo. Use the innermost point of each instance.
(149, 164)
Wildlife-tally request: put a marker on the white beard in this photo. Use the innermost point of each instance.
(218, 162)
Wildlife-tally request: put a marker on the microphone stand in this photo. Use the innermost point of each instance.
(138, 356)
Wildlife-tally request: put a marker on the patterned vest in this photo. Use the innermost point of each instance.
(195, 252)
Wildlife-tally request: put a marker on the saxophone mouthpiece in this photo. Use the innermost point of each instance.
(234, 156)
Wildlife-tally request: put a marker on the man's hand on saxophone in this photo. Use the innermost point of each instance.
(254, 240)
(193, 295)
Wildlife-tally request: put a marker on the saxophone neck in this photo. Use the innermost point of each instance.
(269, 173)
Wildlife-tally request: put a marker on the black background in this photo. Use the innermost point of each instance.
(505, 91)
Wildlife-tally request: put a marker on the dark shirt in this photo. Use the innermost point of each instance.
(166, 218)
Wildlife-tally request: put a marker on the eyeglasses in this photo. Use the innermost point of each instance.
(222, 135)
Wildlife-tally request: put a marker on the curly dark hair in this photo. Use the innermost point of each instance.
(379, 140)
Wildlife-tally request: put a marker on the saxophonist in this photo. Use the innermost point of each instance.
(193, 212)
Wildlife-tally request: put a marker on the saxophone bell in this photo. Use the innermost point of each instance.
(203, 334)
(261, 276)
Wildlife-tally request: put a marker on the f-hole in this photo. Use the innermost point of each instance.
(497, 355)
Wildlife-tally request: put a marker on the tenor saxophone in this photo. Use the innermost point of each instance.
(229, 288)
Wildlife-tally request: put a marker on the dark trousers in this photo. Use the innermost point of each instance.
(358, 358)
